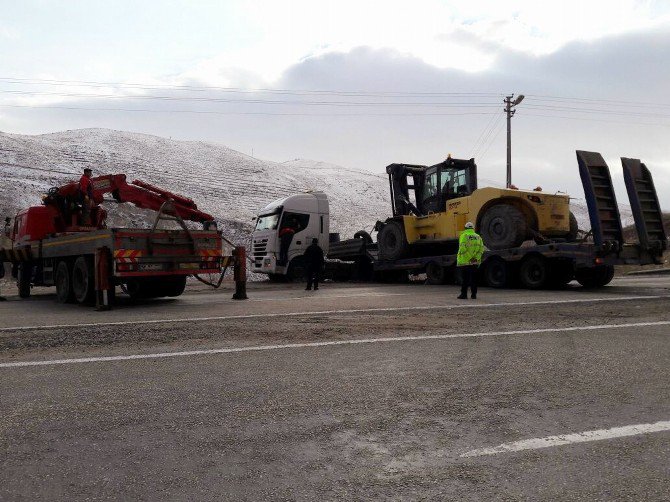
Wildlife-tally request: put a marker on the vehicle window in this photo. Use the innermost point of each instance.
(430, 188)
(267, 222)
(455, 182)
(297, 221)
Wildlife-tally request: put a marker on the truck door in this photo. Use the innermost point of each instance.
(302, 238)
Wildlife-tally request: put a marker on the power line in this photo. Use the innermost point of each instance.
(213, 112)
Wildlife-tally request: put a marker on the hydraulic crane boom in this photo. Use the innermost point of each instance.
(139, 193)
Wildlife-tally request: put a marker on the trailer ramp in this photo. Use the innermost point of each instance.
(600, 200)
(644, 203)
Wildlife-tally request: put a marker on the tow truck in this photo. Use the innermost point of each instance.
(65, 242)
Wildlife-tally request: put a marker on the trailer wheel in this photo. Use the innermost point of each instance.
(534, 272)
(23, 279)
(391, 241)
(503, 226)
(595, 277)
(64, 293)
(436, 273)
(83, 280)
(561, 272)
(496, 273)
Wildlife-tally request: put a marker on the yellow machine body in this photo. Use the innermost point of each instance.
(548, 214)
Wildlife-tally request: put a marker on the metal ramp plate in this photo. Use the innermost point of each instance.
(600, 198)
(644, 203)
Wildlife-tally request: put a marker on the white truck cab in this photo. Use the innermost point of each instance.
(308, 214)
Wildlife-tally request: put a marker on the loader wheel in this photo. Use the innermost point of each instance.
(534, 272)
(83, 280)
(496, 273)
(595, 277)
(64, 293)
(436, 273)
(503, 226)
(574, 228)
(23, 279)
(391, 241)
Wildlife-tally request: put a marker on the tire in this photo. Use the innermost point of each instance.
(435, 273)
(362, 234)
(503, 226)
(174, 286)
(391, 241)
(83, 280)
(496, 273)
(534, 273)
(561, 272)
(296, 270)
(23, 278)
(574, 228)
(63, 280)
(595, 277)
(277, 277)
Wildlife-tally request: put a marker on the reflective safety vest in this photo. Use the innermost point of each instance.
(470, 248)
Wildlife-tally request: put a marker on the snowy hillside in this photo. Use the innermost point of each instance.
(226, 183)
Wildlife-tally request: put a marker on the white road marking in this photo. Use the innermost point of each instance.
(470, 305)
(578, 437)
(259, 348)
(319, 297)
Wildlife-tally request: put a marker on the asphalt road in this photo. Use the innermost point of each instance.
(352, 392)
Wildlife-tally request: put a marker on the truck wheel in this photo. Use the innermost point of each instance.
(595, 277)
(64, 293)
(83, 280)
(435, 273)
(391, 241)
(496, 273)
(534, 272)
(277, 277)
(174, 286)
(503, 226)
(296, 270)
(23, 279)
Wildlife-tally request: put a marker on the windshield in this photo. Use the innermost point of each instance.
(267, 222)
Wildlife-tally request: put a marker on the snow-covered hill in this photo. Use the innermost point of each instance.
(226, 183)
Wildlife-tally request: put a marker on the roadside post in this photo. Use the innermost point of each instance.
(240, 273)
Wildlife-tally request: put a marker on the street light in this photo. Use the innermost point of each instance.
(509, 110)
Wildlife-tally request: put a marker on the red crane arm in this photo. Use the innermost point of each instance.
(140, 194)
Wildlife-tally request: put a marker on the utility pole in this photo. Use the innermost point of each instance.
(510, 110)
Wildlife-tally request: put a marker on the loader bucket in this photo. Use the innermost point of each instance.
(644, 203)
(600, 199)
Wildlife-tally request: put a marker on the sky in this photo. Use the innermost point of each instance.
(357, 83)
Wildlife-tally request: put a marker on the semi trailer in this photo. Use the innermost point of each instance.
(545, 261)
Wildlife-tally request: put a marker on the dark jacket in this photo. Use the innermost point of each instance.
(314, 256)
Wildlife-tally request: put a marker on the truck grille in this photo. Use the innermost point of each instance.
(258, 251)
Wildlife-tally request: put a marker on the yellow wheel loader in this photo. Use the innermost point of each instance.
(446, 197)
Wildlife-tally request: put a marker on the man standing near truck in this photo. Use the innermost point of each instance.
(314, 261)
(470, 251)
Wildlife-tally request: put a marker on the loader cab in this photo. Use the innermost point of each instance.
(433, 185)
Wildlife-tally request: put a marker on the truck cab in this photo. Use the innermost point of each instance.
(308, 215)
